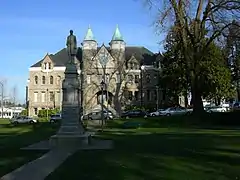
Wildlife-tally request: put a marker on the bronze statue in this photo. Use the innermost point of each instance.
(71, 46)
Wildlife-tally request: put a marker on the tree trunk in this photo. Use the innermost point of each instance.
(186, 99)
(196, 98)
(238, 93)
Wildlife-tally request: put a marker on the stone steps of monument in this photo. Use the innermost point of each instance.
(71, 123)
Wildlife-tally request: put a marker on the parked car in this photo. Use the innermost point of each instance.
(55, 118)
(23, 120)
(98, 115)
(236, 106)
(215, 109)
(175, 111)
(133, 113)
(156, 113)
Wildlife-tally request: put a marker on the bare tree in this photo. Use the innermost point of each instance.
(198, 23)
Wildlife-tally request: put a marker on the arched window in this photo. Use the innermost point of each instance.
(45, 65)
(51, 79)
(36, 79)
(58, 80)
(49, 65)
(43, 80)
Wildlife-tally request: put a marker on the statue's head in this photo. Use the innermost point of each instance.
(71, 32)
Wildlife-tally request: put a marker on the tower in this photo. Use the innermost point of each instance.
(117, 45)
(89, 44)
(89, 50)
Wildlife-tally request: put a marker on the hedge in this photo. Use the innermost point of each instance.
(44, 112)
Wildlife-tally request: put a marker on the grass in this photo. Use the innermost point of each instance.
(12, 138)
(177, 150)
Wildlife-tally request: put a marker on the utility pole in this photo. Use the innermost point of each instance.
(157, 89)
(2, 87)
(47, 103)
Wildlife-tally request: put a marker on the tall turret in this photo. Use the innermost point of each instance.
(117, 44)
(89, 42)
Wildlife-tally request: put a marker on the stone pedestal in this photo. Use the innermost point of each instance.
(71, 133)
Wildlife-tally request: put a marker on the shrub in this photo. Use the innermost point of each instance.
(44, 112)
(24, 112)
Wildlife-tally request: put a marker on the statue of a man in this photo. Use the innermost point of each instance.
(71, 45)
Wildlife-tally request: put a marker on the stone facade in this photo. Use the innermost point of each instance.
(121, 75)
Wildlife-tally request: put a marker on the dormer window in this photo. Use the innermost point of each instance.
(131, 65)
(136, 66)
(49, 65)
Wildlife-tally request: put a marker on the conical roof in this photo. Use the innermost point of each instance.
(117, 35)
(89, 36)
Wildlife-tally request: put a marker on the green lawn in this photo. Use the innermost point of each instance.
(159, 151)
(163, 148)
(12, 138)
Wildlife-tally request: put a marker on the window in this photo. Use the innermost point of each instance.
(155, 95)
(100, 77)
(136, 95)
(51, 96)
(49, 65)
(148, 95)
(51, 79)
(43, 96)
(58, 98)
(130, 78)
(45, 65)
(88, 79)
(148, 78)
(35, 96)
(36, 79)
(131, 65)
(136, 78)
(118, 78)
(107, 78)
(136, 65)
(130, 95)
(58, 80)
(35, 111)
(43, 80)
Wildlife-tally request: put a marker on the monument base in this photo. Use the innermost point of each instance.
(79, 142)
(70, 141)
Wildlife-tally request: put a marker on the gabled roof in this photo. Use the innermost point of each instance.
(142, 54)
(60, 58)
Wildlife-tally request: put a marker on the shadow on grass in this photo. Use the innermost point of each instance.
(15, 137)
(227, 120)
(167, 156)
(12, 138)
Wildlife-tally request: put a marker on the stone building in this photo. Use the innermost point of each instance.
(115, 76)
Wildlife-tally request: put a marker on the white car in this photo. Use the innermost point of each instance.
(55, 118)
(215, 109)
(23, 120)
(175, 111)
(156, 113)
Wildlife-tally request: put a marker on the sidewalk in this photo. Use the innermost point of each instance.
(41, 167)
